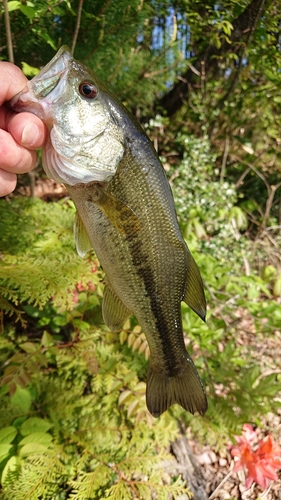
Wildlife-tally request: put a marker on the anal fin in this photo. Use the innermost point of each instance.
(114, 311)
(194, 295)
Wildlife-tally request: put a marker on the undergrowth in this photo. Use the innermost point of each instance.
(73, 418)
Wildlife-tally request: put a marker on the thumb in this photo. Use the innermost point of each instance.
(28, 130)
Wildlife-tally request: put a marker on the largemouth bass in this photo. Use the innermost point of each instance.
(125, 211)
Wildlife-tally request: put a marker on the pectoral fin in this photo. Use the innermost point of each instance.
(114, 311)
(119, 214)
(83, 244)
(194, 295)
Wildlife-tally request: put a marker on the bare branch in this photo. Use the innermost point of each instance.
(8, 32)
(254, 169)
(77, 27)
(224, 160)
(269, 203)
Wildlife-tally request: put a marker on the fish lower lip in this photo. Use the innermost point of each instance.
(21, 101)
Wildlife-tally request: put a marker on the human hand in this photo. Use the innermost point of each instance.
(20, 134)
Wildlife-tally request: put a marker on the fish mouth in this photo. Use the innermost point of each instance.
(45, 88)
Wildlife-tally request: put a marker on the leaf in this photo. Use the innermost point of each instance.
(253, 292)
(60, 320)
(29, 347)
(10, 469)
(46, 37)
(28, 11)
(253, 374)
(198, 228)
(132, 408)
(277, 287)
(248, 148)
(31, 449)
(7, 434)
(117, 385)
(37, 437)
(22, 399)
(13, 5)
(18, 421)
(131, 339)
(81, 325)
(47, 339)
(124, 396)
(268, 272)
(227, 27)
(17, 358)
(28, 70)
(137, 343)
(12, 369)
(35, 424)
(5, 449)
(140, 387)
(123, 337)
(216, 41)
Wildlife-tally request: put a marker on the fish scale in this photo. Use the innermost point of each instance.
(125, 211)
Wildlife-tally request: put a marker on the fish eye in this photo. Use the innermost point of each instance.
(88, 89)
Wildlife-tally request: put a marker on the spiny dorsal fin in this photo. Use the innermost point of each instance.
(114, 311)
(194, 295)
(82, 240)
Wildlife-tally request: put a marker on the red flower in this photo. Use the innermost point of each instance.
(248, 435)
(260, 463)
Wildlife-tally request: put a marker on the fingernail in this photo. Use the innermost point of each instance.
(30, 134)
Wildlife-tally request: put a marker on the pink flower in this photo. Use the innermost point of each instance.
(260, 463)
(248, 435)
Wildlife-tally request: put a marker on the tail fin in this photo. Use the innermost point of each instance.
(185, 388)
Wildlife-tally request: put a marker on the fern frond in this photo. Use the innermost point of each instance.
(40, 473)
(91, 485)
(8, 307)
(147, 487)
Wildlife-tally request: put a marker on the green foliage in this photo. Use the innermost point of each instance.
(83, 440)
(40, 245)
(73, 415)
(73, 418)
(241, 386)
(205, 204)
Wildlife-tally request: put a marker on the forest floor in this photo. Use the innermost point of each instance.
(210, 471)
(217, 479)
(214, 470)
(219, 482)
